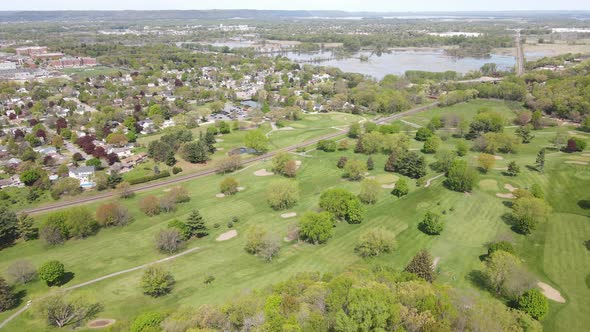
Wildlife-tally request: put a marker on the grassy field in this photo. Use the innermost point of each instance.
(554, 253)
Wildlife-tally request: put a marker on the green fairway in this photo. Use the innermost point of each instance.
(555, 253)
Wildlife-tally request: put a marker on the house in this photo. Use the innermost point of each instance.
(84, 174)
(13, 181)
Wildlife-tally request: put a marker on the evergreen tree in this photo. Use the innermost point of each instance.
(196, 152)
(391, 162)
(370, 164)
(359, 148)
(513, 169)
(7, 298)
(421, 265)
(196, 224)
(525, 133)
(541, 160)
(170, 159)
(210, 141)
(25, 228)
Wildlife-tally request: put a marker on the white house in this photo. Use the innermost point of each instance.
(84, 174)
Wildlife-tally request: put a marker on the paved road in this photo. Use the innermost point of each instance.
(192, 176)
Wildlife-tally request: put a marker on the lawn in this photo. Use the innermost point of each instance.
(554, 253)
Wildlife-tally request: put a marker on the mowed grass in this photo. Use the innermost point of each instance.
(555, 253)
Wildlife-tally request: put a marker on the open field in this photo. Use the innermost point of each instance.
(555, 253)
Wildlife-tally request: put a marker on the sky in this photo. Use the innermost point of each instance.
(348, 5)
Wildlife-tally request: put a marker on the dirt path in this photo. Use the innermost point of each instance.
(108, 276)
(429, 181)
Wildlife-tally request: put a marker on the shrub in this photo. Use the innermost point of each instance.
(179, 194)
(282, 194)
(506, 275)
(486, 161)
(375, 242)
(21, 271)
(315, 227)
(342, 162)
(167, 203)
(150, 205)
(149, 178)
(501, 245)
(260, 243)
(229, 164)
(575, 144)
(290, 169)
(156, 282)
(534, 303)
(527, 212)
(343, 204)
(431, 224)
(370, 164)
(112, 214)
(431, 144)
(147, 322)
(461, 148)
(125, 191)
(52, 272)
(513, 169)
(182, 228)
(176, 170)
(169, 241)
(423, 134)
(229, 186)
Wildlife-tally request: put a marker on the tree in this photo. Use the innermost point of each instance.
(169, 241)
(537, 120)
(370, 190)
(229, 164)
(156, 282)
(170, 159)
(179, 194)
(506, 275)
(575, 144)
(80, 222)
(354, 170)
(527, 212)
(486, 161)
(279, 162)
(282, 194)
(150, 205)
(260, 243)
(342, 162)
(52, 272)
(431, 144)
(370, 164)
(167, 203)
(21, 272)
(513, 169)
(30, 176)
(117, 139)
(256, 140)
(7, 297)
(290, 169)
(431, 224)
(196, 225)
(461, 148)
(444, 159)
(65, 186)
(375, 242)
(228, 186)
(147, 321)
(524, 132)
(112, 214)
(401, 188)
(460, 176)
(540, 161)
(62, 309)
(534, 303)
(316, 227)
(342, 204)
(327, 145)
(410, 164)
(423, 134)
(537, 191)
(195, 152)
(422, 266)
(354, 130)
(125, 191)
(8, 227)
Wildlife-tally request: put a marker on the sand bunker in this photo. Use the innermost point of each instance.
(288, 215)
(241, 188)
(498, 157)
(167, 190)
(576, 162)
(388, 186)
(586, 155)
(227, 235)
(500, 168)
(218, 140)
(297, 164)
(219, 149)
(435, 262)
(550, 292)
(509, 195)
(263, 172)
(100, 323)
(220, 195)
(509, 187)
